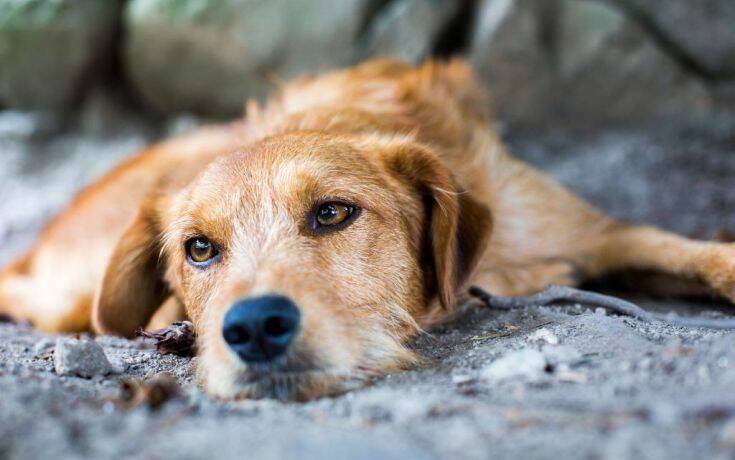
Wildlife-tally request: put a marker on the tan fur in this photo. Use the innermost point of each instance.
(443, 204)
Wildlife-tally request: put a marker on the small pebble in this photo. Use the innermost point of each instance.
(42, 346)
(82, 358)
(459, 379)
(543, 336)
(526, 364)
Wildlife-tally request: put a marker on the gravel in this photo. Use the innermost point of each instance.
(618, 388)
(604, 386)
(526, 364)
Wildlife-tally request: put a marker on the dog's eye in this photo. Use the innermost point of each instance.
(200, 251)
(333, 215)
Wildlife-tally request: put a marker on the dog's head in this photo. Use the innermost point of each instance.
(305, 261)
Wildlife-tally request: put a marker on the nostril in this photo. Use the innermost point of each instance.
(236, 335)
(275, 326)
(260, 329)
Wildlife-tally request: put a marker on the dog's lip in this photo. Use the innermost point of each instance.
(255, 377)
(296, 385)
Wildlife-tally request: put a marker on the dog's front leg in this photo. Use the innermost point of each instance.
(542, 230)
(637, 247)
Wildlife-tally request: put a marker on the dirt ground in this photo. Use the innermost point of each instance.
(544, 382)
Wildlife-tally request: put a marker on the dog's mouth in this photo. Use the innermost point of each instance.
(295, 377)
(297, 385)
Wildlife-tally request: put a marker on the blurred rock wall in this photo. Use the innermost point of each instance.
(546, 61)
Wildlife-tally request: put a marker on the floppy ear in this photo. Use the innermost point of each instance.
(133, 287)
(456, 225)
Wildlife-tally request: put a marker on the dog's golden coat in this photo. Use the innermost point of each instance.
(445, 205)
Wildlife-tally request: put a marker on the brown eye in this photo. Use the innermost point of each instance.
(200, 251)
(333, 215)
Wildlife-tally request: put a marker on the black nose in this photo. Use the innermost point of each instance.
(260, 329)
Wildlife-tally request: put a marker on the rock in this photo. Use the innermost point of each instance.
(543, 336)
(82, 358)
(460, 379)
(532, 365)
(586, 28)
(506, 51)
(208, 56)
(616, 71)
(49, 49)
(42, 346)
(408, 29)
(703, 31)
(579, 62)
(526, 364)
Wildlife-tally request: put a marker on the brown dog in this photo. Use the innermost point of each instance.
(310, 241)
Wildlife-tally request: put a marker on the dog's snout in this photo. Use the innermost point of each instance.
(260, 329)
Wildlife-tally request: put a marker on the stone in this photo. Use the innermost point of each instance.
(408, 29)
(617, 72)
(586, 27)
(81, 358)
(703, 31)
(42, 346)
(543, 336)
(526, 364)
(49, 49)
(579, 62)
(506, 52)
(209, 56)
(460, 379)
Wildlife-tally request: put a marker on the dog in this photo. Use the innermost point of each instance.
(311, 240)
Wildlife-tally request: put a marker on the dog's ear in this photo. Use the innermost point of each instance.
(133, 287)
(456, 225)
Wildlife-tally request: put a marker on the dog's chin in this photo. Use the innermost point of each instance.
(300, 385)
(296, 385)
(299, 375)
(282, 381)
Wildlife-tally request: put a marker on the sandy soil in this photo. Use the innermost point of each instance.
(614, 388)
(606, 386)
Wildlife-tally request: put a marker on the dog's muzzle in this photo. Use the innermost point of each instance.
(261, 329)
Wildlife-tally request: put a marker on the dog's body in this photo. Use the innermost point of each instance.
(438, 205)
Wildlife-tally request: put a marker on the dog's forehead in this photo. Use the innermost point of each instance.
(287, 165)
(288, 171)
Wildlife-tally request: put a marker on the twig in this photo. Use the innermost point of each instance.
(498, 335)
(178, 339)
(555, 293)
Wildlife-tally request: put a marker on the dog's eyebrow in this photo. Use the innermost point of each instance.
(187, 226)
